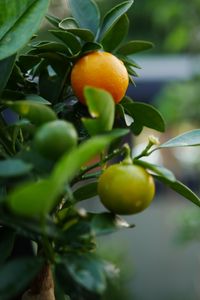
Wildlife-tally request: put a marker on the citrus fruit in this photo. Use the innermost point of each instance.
(55, 138)
(101, 70)
(126, 188)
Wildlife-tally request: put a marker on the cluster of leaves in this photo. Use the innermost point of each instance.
(37, 195)
(173, 26)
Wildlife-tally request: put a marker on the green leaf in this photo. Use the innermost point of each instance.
(159, 170)
(131, 71)
(86, 191)
(27, 62)
(90, 47)
(87, 270)
(53, 20)
(7, 238)
(35, 199)
(70, 25)
(24, 269)
(134, 47)
(129, 61)
(50, 47)
(13, 168)
(31, 228)
(68, 39)
(6, 66)
(86, 14)
(37, 98)
(181, 189)
(35, 112)
(113, 16)
(187, 139)
(105, 223)
(51, 76)
(15, 19)
(70, 164)
(102, 108)
(144, 115)
(131, 81)
(116, 34)
(83, 34)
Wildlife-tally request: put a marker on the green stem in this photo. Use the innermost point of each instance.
(91, 175)
(5, 138)
(48, 250)
(108, 157)
(145, 151)
(63, 85)
(127, 159)
(46, 245)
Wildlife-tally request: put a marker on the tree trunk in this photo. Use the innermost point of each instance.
(42, 287)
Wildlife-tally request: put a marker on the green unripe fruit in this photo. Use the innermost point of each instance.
(55, 138)
(126, 189)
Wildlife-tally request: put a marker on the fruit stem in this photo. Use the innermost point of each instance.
(127, 157)
(108, 157)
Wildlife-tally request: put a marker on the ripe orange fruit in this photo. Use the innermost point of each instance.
(126, 189)
(100, 70)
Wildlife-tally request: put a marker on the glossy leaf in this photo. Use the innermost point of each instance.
(35, 199)
(13, 168)
(187, 139)
(105, 223)
(116, 34)
(159, 170)
(131, 71)
(51, 76)
(102, 108)
(24, 269)
(35, 112)
(7, 238)
(90, 47)
(181, 189)
(87, 270)
(129, 61)
(131, 81)
(31, 228)
(86, 14)
(27, 15)
(86, 191)
(37, 98)
(68, 39)
(70, 164)
(6, 66)
(50, 47)
(27, 62)
(113, 16)
(70, 25)
(144, 115)
(133, 47)
(53, 20)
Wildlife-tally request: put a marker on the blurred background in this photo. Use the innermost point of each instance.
(160, 258)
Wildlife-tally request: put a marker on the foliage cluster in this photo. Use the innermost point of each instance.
(38, 195)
